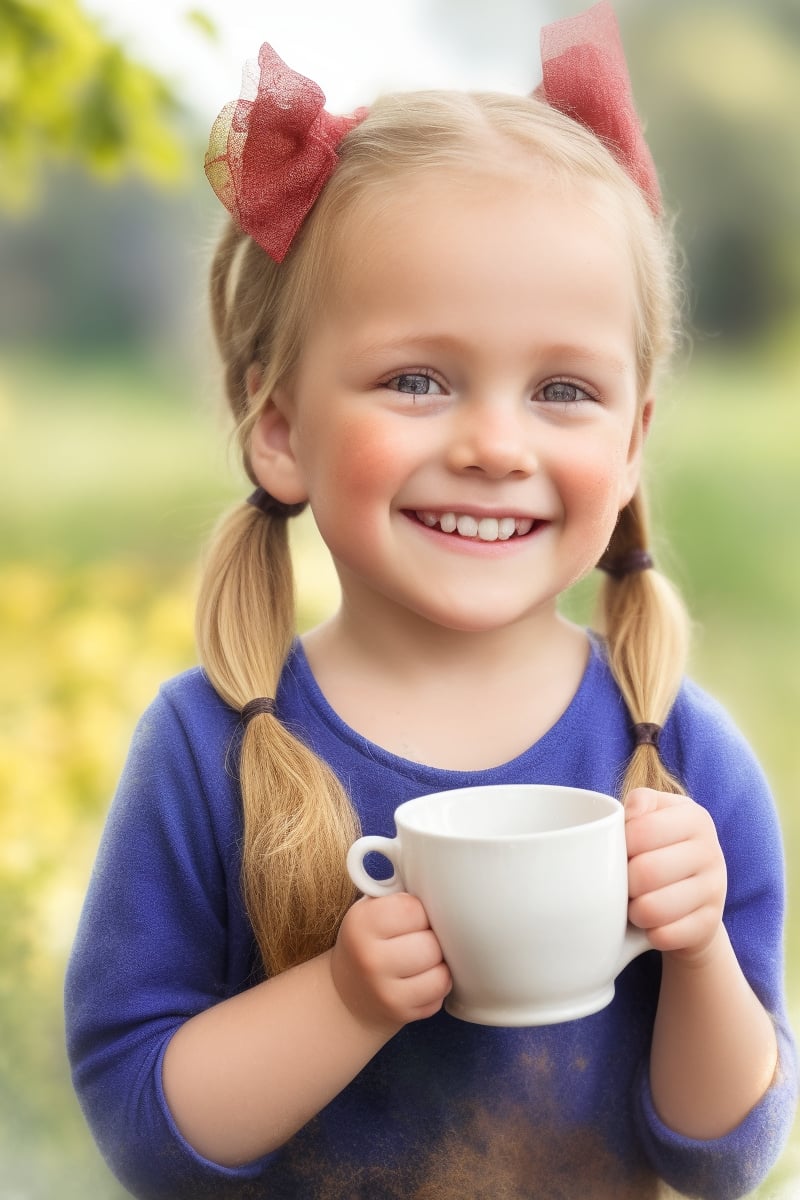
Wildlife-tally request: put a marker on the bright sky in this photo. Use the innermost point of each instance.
(353, 48)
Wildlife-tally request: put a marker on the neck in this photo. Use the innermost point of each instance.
(462, 699)
(399, 643)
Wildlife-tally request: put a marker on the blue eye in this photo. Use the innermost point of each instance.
(414, 383)
(561, 391)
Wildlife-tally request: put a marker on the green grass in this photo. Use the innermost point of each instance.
(108, 458)
(114, 472)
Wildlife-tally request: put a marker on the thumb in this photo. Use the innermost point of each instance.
(640, 801)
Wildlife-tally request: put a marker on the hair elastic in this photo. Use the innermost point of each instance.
(628, 563)
(646, 734)
(267, 504)
(261, 706)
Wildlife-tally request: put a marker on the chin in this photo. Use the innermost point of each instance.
(484, 622)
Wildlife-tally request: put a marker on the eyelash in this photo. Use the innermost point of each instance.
(585, 392)
(418, 373)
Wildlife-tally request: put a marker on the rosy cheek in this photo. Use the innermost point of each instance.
(593, 483)
(364, 458)
(594, 474)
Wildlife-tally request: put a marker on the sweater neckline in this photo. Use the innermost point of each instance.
(571, 721)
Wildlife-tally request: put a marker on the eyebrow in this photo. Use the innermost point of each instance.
(449, 342)
(587, 354)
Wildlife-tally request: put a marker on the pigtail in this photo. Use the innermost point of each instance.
(647, 636)
(298, 821)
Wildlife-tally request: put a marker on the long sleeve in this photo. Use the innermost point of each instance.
(721, 773)
(446, 1108)
(161, 938)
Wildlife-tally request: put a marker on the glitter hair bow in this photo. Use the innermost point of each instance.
(585, 76)
(273, 150)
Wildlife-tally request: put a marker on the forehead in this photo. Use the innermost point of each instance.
(457, 248)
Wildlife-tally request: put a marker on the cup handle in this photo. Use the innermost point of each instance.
(636, 942)
(360, 876)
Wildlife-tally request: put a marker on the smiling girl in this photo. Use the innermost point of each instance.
(442, 324)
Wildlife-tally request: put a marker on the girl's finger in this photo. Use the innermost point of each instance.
(652, 870)
(656, 910)
(415, 954)
(667, 826)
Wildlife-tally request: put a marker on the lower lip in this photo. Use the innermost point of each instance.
(474, 545)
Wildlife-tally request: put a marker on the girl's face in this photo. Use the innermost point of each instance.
(464, 417)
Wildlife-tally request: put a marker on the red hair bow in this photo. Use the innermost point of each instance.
(585, 76)
(272, 151)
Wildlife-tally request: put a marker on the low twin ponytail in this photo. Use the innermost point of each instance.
(646, 629)
(298, 821)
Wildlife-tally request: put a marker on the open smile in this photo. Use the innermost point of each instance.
(480, 528)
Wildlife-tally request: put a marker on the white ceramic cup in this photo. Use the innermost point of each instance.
(526, 888)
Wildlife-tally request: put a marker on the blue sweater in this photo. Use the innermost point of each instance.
(447, 1109)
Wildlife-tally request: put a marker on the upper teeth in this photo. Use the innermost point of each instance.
(487, 529)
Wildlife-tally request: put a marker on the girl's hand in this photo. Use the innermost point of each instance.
(677, 879)
(387, 963)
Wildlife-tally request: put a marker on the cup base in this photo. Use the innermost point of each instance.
(532, 1014)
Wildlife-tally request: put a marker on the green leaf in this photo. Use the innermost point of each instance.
(68, 92)
(203, 23)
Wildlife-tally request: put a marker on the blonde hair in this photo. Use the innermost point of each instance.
(298, 820)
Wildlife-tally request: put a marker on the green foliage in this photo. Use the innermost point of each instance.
(68, 93)
(718, 84)
(203, 23)
(82, 650)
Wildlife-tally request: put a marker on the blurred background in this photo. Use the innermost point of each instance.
(115, 455)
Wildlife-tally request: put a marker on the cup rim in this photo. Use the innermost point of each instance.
(402, 811)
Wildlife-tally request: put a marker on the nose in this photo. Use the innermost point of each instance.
(494, 438)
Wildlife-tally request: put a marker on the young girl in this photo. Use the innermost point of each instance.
(441, 323)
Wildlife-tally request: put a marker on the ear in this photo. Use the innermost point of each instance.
(272, 456)
(633, 464)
